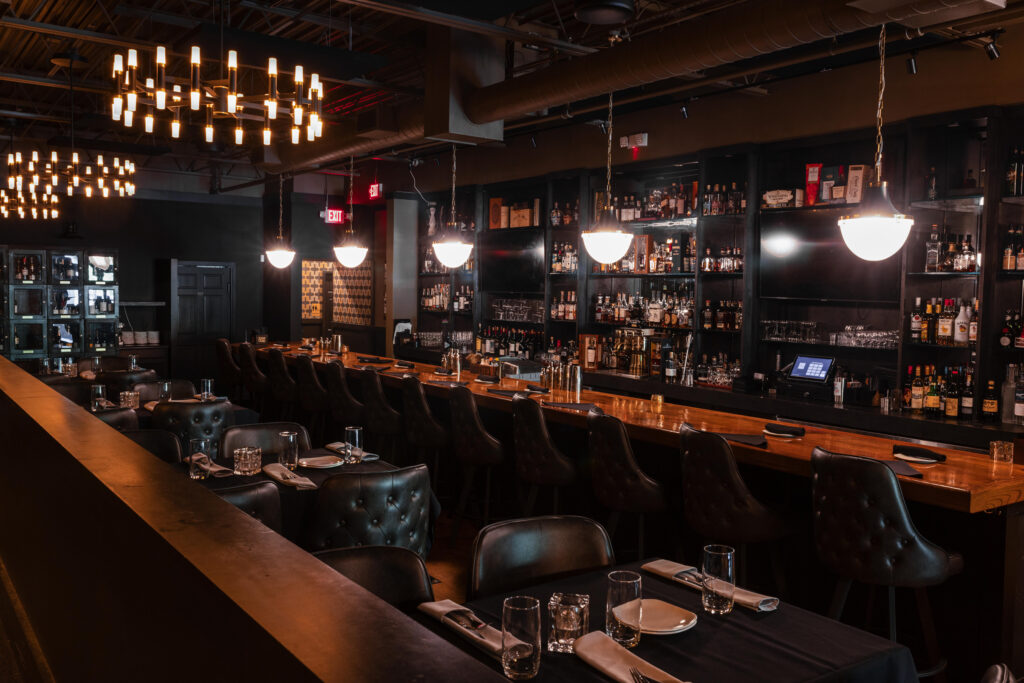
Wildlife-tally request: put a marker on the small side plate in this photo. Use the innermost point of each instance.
(321, 462)
(659, 618)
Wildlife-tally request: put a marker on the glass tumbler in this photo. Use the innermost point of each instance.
(98, 393)
(206, 389)
(289, 455)
(198, 448)
(520, 637)
(570, 619)
(248, 460)
(96, 363)
(165, 392)
(718, 579)
(354, 439)
(133, 362)
(623, 608)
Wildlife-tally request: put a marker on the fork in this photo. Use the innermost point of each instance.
(287, 476)
(469, 621)
(639, 677)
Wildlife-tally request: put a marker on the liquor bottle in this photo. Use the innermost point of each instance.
(915, 321)
(555, 216)
(1018, 400)
(967, 396)
(927, 325)
(917, 392)
(708, 263)
(932, 406)
(972, 326)
(961, 327)
(1012, 171)
(952, 407)
(1006, 334)
(970, 255)
(931, 251)
(1007, 393)
(931, 184)
(990, 404)
(707, 316)
(948, 264)
(943, 326)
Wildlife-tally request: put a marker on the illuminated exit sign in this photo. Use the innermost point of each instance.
(376, 190)
(335, 216)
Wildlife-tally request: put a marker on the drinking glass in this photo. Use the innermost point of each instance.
(570, 619)
(622, 610)
(133, 362)
(206, 392)
(198, 448)
(165, 392)
(354, 439)
(248, 460)
(96, 363)
(520, 637)
(289, 455)
(718, 579)
(1001, 451)
(99, 396)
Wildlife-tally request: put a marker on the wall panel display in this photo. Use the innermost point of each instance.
(353, 292)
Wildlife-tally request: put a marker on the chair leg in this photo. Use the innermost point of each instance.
(835, 610)
(531, 498)
(931, 640)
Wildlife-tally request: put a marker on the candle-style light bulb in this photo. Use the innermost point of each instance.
(194, 93)
(295, 135)
(238, 134)
(175, 128)
(161, 55)
(266, 136)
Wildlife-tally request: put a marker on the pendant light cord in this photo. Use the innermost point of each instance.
(608, 159)
(351, 183)
(280, 207)
(881, 104)
(453, 187)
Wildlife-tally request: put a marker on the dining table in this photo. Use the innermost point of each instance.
(785, 645)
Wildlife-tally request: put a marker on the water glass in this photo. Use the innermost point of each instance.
(570, 619)
(623, 608)
(133, 362)
(248, 460)
(198, 448)
(99, 396)
(1001, 451)
(520, 637)
(718, 579)
(165, 392)
(206, 390)
(354, 439)
(96, 363)
(289, 455)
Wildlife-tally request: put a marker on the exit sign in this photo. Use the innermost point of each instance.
(335, 216)
(376, 190)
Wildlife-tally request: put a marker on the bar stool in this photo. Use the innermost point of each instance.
(313, 400)
(717, 503)
(345, 409)
(383, 423)
(474, 447)
(538, 461)
(863, 532)
(229, 373)
(283, 389)
(253, 379)
(426, 436)
(619, 483)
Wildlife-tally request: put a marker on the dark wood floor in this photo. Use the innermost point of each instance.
(449, 560)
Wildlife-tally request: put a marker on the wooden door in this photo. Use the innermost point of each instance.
(202, 309)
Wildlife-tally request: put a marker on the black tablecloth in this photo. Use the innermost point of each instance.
(297, 506)
(790, 644)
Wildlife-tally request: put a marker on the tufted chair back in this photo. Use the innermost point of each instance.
(862, 529)
(120, 418)
(265, 436)
(383, 422)
(150, 391)
(425, 434)
(619, 483)
(520, 552)
(107, 363)
(159, 442)
(311, 394)
(345, 409)
(229, 374)
(76, 391)
(472, 444)
(190, 421)
(261, 500)
(716, 501)
(998, 673)
(395, 575)
(253, 379)
(537, 459)
(117, 381)
(374, 508)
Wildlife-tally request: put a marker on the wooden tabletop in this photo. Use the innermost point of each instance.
(966, 481)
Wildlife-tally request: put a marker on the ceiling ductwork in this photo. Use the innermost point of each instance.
(605, 12)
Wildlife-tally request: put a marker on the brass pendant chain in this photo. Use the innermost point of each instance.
(881, 101)
(351, 184)
(280, 207)
(452, 218)
(608, 159)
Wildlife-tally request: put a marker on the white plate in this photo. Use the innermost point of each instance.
(321, 462)
(915, 459)
(779, 436)
(659, 618)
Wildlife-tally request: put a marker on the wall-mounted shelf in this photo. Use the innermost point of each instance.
(144, 304)
(969, 204)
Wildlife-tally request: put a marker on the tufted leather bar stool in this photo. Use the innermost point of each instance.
(516, 553)
(619, 483)
(717, 503)
(190, 421)
(229, 373)
(538, 461)
(253, 379)
(313, 400)
(265, 436)
(346, 411)
(389, 508)
(159, 442)
(150, 391)
(261, 500)
(119, 418)
(396, 575)
(863, 532)
(282, 388)
(427, 437)
(383, 423)
(474, 447)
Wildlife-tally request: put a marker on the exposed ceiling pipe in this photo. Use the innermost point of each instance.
(741, 32)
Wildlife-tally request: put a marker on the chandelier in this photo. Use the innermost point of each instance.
(164, 95)
(33, 185)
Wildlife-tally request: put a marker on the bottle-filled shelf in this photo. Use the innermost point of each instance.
(967, 204)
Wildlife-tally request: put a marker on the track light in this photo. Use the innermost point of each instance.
(992, 50)
(912, 63)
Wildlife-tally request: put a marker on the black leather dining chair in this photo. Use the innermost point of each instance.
(516, 553)
(282, 389)
(119, 418)
(229, 373)
(150, 391)
(998, 673)
(396, 575)
(78, 392)
(312, 398)
(107, 363)
(117, 381)
(474, 448)
(385, 435)
(390, 508)
(619, 483)
(253, 379)
(266, 436)
(346, 410)
(538, 460)
(863, 532)
(427, 438)
(260, 500)
(190, 421)
(159, 442)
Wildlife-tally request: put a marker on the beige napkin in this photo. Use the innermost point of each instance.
(601, 652)
(283, 475)
(690, 576)
(210, 467)
(489, 643)
(87, 374)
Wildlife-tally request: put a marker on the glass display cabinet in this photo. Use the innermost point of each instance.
(28, 339)
(65, 267)
(65, 336)
(27, 302)
(27, 266)
(101, 267)
(101, 303)
(65, 302)
(100, 337)
(3, 264)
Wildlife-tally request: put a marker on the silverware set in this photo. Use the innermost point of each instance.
(469, 621)
(639, 677)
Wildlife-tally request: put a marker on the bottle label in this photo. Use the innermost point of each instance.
(1018, 408)
(952, 407)
(990, 405)
(945, 327)
(931, 401)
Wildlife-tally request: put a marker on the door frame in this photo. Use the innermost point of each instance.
(173, 300)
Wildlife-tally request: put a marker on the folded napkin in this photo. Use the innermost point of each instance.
(901, 468)
(586, 407)
(690, 576)
(283, 475)
(209, 466)
(87, 374)
(443, 371)
(916, 454)
(784, 430)
(306, 347)
(601, 652)
(107, 405)
(342, 450)
(487, 638)
(487, 379)
(371, 359)
(749, 439)
(507, 393)
(450, 385)
(404, 364)
(537, 389)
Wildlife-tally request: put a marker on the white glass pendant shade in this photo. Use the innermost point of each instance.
(452, 250)
(280, 254)
(350, 255)
(606, 242)
(877, 230)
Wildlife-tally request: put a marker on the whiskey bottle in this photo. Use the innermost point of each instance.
(967, 396)
(917, 392)
(707, 316)
(931, 190)
(932, 406)
(931, 251)
(990, 404)
(915, 321)
(952, 406)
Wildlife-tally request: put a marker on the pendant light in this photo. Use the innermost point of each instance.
(450, 246)
(279, 252)
(877, 230)
(350, 252)
(605, 241)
